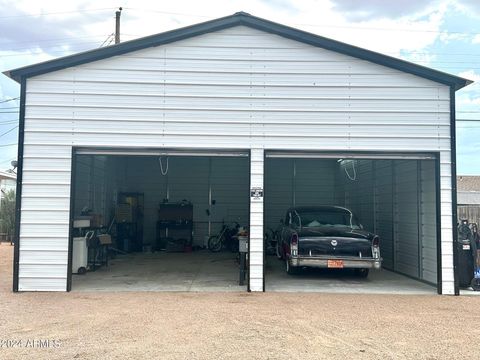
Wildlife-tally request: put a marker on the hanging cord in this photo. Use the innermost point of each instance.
(164, 172)
(354, 172)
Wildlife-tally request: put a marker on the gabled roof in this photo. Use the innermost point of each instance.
(237, 19)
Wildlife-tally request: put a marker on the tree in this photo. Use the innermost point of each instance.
(7, 213)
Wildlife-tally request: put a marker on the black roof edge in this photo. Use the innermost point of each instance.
(239, 18)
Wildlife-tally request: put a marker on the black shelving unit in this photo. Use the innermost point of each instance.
(130, 228)
(174, 226)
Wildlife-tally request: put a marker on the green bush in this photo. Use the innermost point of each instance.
(7, 213)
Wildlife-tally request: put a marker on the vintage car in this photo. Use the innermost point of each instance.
(326, 237)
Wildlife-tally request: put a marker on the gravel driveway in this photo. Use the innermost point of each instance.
(233, 325)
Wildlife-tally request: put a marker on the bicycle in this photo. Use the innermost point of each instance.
(226, 237)
(271, 239)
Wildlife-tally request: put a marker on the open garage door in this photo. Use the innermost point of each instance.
(158, 209)
(393, 196)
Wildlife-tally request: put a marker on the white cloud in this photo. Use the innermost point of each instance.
(410, 32)
(469, 97)
(470, 74)
(85, 24)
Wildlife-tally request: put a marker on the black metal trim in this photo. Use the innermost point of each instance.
(439, 224)
(368, 155)
(144, 151)
(453, 167)
(249, 215)
(75, 149)
(362, 154)
(71, 217)
(18, 195)
(237, 19)
(436, 158)
(264, 230)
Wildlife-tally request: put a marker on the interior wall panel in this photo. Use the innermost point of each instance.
(384, 197)
(406, 218)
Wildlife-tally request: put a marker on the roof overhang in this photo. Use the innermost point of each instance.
(240, 18)
(7, 175)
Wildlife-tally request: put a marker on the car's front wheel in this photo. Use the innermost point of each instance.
(362, 273)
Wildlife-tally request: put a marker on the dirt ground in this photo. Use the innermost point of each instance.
(233, 325)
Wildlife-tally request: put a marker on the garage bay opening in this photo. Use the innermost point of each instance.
(345, 223)
(142, 222)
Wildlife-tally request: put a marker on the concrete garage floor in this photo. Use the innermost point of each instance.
(341, 281)
(204, 271)
(161, 271)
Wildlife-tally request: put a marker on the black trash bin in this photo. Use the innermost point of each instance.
(465, 255)
(465, 263)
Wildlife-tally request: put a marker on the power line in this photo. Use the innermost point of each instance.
(368, 28)
(322, 26)
(3, 162)
(54, 13)
(4, 101)
(4, 43)
(52, 46)
(109, 37)
(8, 145)
(8, 112)
(403, 52)
(8, 131)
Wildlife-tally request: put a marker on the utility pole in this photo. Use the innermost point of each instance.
(117, 25)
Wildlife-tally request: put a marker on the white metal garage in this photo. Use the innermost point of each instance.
(238, 82)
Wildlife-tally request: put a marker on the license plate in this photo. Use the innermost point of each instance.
(335, 264)
(466, 247)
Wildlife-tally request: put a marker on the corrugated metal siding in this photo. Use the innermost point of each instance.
(396, 200)
(44, 225)
(279, 175)
(90, 185)
(181, 185)
(256, 255)
(406, 218)
(314, 180)
(234, 88)
(384, 199)
(227, 177)
(359, 190)
(428, 221)
(297, 182)
(229, 183)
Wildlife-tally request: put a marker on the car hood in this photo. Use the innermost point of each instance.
(329, 231)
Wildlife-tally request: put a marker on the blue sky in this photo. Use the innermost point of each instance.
(442, 34)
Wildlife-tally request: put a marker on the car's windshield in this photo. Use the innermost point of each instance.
(335, 218)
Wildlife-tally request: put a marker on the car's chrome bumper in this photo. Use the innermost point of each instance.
(348, 262)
